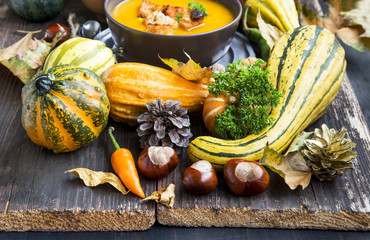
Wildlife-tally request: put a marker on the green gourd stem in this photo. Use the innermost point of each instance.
(110, 133)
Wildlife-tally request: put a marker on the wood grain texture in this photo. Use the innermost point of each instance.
(342, 204)
(35, 193)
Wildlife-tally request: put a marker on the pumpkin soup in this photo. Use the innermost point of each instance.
(177, 17)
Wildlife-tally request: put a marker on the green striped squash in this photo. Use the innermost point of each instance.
(64, 108)
(280, 13)
(81, 52)
(36, 10)
(307, 65)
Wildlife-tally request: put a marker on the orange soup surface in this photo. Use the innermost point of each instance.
(127, 13)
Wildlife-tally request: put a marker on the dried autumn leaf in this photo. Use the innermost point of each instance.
(269, 32)
(349, 20)
(164, 196)
(292, 167)
(298, 142)
(92, 178)
(26, 56)
(191, 70)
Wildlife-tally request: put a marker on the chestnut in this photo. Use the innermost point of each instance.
(56, 28)
(245, 178)
(200, 178)
(157, 161)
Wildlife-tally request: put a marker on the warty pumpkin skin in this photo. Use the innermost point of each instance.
(64, 108)
(130, 86)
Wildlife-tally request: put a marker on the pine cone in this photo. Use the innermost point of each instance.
(328, 152)
(164, 125)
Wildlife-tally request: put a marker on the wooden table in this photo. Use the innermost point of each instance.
(36, 194)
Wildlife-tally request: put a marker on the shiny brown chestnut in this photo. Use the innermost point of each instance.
(200, 178)
(245, 178)
(56, 28)
(157, 161)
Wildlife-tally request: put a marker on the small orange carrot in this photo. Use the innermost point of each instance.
(124, 166)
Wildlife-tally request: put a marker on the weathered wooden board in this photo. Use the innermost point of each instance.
(36, 194)
(342, 204)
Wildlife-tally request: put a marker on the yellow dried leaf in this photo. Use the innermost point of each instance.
(164, 196)
(26, 56)
(295, 171)
(190, 70)
(269, 32)
(292, 167)
(92, 178)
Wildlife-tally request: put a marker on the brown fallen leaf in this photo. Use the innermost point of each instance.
(92, 178)
(292, 167)
(164, 196)
(269, 32)
(25, 57)
(191, 70)
(349, 20)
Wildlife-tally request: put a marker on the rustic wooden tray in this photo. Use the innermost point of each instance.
(36, 194)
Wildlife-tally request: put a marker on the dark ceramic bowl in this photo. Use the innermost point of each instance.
(204, 48)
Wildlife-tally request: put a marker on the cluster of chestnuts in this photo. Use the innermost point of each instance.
(244, 178)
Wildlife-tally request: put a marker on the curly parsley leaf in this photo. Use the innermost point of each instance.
(199, 6)
(255, 96)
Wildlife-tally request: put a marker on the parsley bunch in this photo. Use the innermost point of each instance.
(254, 94)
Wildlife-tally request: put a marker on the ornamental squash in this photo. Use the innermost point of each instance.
(279, 13)
(36, 10)
(216, 105)
(81, 52)
(212, 106)
(130, 86)
(307, 65)
(64, 108)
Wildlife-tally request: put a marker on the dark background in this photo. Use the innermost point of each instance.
(359, 75)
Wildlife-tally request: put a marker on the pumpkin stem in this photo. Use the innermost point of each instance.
(110, 133)
(43, 83)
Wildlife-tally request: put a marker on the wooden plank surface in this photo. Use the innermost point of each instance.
(343, 204)
(36, 194)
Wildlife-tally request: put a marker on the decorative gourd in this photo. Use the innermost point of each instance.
(81, 52)
(212, 106)
(308, 65)
(216, 105)
(64, 108)
(280, 13)
(36, 10)
(130, 86)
